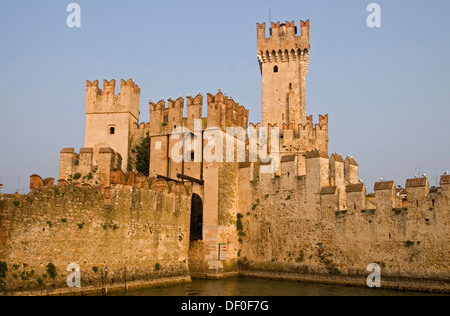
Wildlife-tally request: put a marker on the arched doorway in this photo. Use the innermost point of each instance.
(196, 217)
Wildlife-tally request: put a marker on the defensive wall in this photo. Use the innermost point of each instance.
(131, 234)
(322, 226)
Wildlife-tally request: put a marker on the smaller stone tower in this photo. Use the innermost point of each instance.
(110, 118)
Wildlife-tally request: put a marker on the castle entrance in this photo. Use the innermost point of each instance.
(196, 218)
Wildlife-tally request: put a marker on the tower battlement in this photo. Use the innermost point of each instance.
(223, 112)
(105, 100)
(301, 138)
(283, 44)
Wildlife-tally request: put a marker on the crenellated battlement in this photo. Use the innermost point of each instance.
(106, 101)
(283, 45)
(332, 181)
(223, 112)
(301, 138)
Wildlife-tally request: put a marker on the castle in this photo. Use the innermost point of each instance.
(293, 212)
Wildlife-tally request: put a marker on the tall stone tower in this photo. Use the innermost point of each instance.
(110, 118)
(283, 59)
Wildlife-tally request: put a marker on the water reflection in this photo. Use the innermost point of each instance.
(262, 287)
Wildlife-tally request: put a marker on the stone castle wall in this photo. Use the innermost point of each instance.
(296, 227)
(117, 235)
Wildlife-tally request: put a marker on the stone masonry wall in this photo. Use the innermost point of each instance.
(289, 236)
(115, 235)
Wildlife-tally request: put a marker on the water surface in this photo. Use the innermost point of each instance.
(263, 287)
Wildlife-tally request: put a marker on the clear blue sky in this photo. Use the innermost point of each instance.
(386, 90)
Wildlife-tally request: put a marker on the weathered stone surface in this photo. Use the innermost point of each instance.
(144, 232)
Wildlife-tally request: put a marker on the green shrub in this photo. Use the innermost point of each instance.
(143, 155)
(334, 271)
(239, 225)
(301, 258)
(399, 211)
(51, 270)
(3, 269)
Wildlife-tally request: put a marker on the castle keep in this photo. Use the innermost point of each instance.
(263, 199)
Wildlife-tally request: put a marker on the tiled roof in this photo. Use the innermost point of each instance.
(288, 158)
(316, 154)
(355, 187)
(445, 180)
(417, 182)
(328, 190)
(385, 185)
(351, 161)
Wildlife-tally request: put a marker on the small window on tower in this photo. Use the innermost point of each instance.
(275, 69)
(112, 130)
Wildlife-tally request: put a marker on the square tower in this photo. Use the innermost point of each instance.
(110, 118)
(283, 59)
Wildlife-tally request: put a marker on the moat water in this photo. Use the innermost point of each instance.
(261, 287)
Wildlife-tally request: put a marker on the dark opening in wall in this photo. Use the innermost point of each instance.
(196, 232)
(275, 69)
(112, 130)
